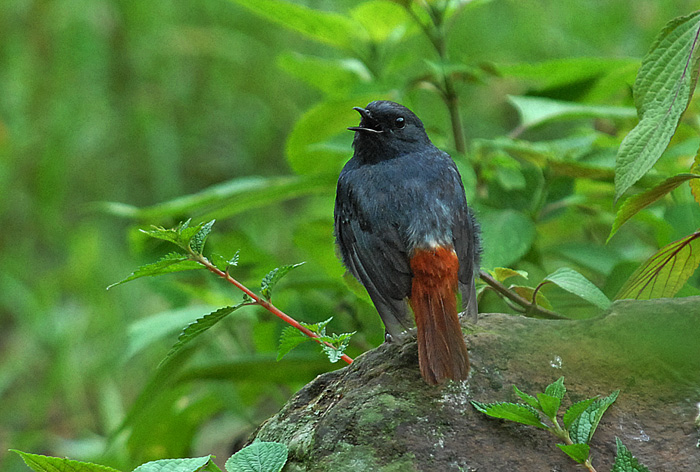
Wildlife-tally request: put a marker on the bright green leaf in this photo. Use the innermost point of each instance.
(548, 404)
(504, 273)
(634, 204)
(575, 411)
(664, 273)
(382, 20)
(197, 241)
(573, 282)
(173, 262)
(695, 183)
(258, 457)
(41, 463)
(535, 111)
(524, 414)
(507, 235)
(336, 78)
(662, 91)
(578, 452)
(273, 277)
(289, 339)
(224, 264)
(625, 461)
(175, 465)
(527, 398)
(582, 428)
(556, 389)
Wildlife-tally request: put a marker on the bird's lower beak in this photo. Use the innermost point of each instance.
(367, 123)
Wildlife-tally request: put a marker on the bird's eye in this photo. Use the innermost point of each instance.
(400, 122)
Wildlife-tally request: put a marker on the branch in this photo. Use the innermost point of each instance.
(531, 309)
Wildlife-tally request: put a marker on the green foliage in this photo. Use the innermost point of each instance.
(258, 457)
(274, 276)
(41, 463)
(575, 283)
(333, 345)
(625, 461)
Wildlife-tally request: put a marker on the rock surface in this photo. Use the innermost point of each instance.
(378, 415)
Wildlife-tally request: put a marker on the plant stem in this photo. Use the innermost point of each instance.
(532, 309)
(264, 303)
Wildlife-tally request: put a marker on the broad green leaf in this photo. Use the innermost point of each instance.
(382, 20)
(323, 26)
(194, 464)
(504, 273)
(527, 398)
(173, 262)
(556, 389)
(336, 78)
(289, 339)
(41, 463)
(634, 204)
(662, 91)
(625, 461)
(524, 414)
(528, 292)
(507, 235)
(258, 457)
(664, 273)
(549, 404)
(573, 282)
(197, 241)
(582, 428)
(274, 276)
(575, 411)
(198, 327)
(578, 452)
(535, 111)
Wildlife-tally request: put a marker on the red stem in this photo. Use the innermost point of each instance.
(269, 306)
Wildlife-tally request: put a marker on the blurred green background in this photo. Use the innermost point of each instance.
(143, 102)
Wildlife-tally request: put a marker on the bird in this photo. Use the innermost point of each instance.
(405, 232)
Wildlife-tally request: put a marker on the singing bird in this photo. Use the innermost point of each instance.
(404, 230)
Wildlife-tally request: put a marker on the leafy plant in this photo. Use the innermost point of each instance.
(577, 426)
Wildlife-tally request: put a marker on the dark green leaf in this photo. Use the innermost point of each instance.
(575, 283)
(173, 262)
(578, 452)
(575, 411)
(194, 464)
(197, 241)
(524, 414)
(41, 463)
(664, 273)
(634, 204)
(290, 338)
(258, 457)
(625, 461)
(274, 276)
(662, 91)
(582, 428)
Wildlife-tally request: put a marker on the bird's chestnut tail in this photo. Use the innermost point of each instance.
(442, 353)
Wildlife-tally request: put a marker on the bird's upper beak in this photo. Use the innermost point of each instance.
(367, 123)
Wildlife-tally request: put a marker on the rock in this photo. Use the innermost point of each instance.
(378, 415)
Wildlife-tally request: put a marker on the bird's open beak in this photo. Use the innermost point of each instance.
(365, 121)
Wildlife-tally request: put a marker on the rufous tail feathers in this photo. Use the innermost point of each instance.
(442, 353)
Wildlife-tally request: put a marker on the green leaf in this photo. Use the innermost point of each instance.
(258, 457)
(507, 235)
(524, 414)
(197, 241)
(664, 273)
(527, 398)
(662, 91)
(274, 276)
(382, 20)
(695, 183)
(289, 339)
(556, 389)
(625, 461)
(634, 204)
(535, 111)
(527, 293)
(549, 405)
(224, 264)
(173, 262)
(175, 465)
(198, 327)
(504, 273)
(336, 78)
(340, 343)
(41, 463)
(326, 27)
(573, 282)
(578, 452)
(582, 428)
(575, 411)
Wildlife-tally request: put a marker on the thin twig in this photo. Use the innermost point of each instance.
(531, 309)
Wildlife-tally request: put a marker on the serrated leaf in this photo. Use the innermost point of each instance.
(194, 464)
(662, 91)
(578, 452)
(664, 273)
(340, 343)
(197, 241)
(274, 276)
(636, 203)
(41, 463)
(556, 389)
(575, 283)
(527, 398)
(625, 461)
(504, 273)
(198, 327)
(317, 328)
(549, 404)
(524, 414)
(582, 428)
(258, 457)
(575, 411)
(222, 263)
(289, 339)
(173, 262)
